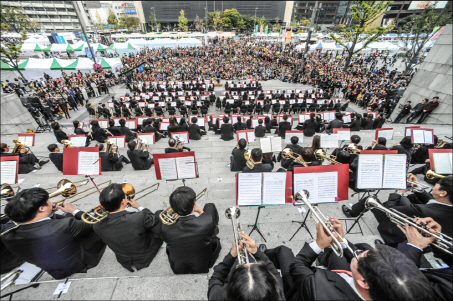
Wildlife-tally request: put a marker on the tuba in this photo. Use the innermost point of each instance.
(67, 143)
(430, 174)
(353, 148)
(440, 143)
(169, 217)
(18, 145)
(248, 156)
(110, 146)
(233, 213)
(288, 153)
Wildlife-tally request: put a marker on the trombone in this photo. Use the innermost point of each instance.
(13, 275)
(233, 213)
(321, 154)
(443, 242)
(73, 201)
(288, 153)
(98, 213)
(418, 186)
(7, 192)
(169, 217)
(318, 217)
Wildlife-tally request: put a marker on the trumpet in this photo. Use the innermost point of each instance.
(440, 143)
(67, 143)
(430, 174)
(417, 186)
(18, 145)
(169, 217)
(248, 156)
(442, 242)
(233, 213)
(288, 153)
(179, 143)
(98, 213)
(321, 154)
(318, 217)
(13, 275)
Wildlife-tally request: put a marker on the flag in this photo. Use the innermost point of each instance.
(261, 29)
(288, 35)
(266, 29)
(283, 35)
(280, 33)
(256, 28)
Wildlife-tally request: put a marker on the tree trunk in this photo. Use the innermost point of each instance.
(412, 59)
(350, 53)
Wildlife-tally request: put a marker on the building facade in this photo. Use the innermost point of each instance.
(325, 15)
(120, 9)
(400, 9)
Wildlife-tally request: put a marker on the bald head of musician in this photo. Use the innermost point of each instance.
(182, 201)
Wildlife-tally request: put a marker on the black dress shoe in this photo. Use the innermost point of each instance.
(346, 210)
(42, 162)
(378, 242)
(262, 248)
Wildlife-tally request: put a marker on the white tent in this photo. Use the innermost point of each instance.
(329, 46)
(383, 46)
(38, 40)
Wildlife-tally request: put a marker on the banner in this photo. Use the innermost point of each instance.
(283, 35)
(261, 29)
(280, 33)
(266, 29)
(256, 28)
(288, 35)
(88, 52)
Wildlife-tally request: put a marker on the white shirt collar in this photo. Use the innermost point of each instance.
(44, 219)
(350, 281)
(433, 201)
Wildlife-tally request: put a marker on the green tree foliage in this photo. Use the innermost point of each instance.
(419, 28)
(182, 21)
(152, 19)
(98, 21)
(304, 23)
(129, 22)
(262, 21)
(112, 19)
(232, 19)
(365, 13)
(276, 26)
(10, 52)
(217, 21)
(16, 19)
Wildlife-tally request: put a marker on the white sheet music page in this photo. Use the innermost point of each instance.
(329, 141)
(79, 141)
(274, 188)
(186, 167)
(323, 187)
(418, 136)
(344, 135)
(428, 137)
(387, 134)
(8, 172)
(242, 136)
(276, 143)
(251, 136)
(266, 145)
(249, 189)
(103, 124)
(394, 172)
(28, 140)
(184, 136)
(300, 135)
(369, 171)
(87, 165)
(442, 163)
(168, 169)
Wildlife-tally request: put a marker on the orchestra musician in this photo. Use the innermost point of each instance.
(259, 166)
(59, 245)
(79, 131)
(173, 148)
(295, 147)
(99, 134)
(58, 132)
(192, 244)
(27, 161)
(284, 126)
(113, 129)
(140, 159)
(132, 236)
(307, 156)
(55, 156)
(125, 131)
(260, 130)
(237, 159)
(111, 161)
(194, 130)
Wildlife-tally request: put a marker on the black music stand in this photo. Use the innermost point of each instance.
(255, 226)
(357, 220)
(302, 224)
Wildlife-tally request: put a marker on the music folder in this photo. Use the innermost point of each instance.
(422, 136)
(265, 188)
(271, 144)
(381, 171)
(175, 166)
(81, 161)
(248, 135)
(440, 160)
(9, 169)
(386, 133)
(28, 139)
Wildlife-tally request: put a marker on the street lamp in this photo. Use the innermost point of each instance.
(155, 18)
(254, 24)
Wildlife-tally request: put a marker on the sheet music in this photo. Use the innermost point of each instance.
(28, 140)
(344, 135)
(29, 272)
(8, 170)
(266, 145)
(300, 135)
(274, 188)
(347, 119)
(394, 172)
(164, 126)
(78, 141)
(148, 137)
(276, 143)
(418, 136)
(103, 123)
(242, 135)
(201, 122)
(442, 163)
(387, 134)
(186, 167)
(428, 137)
(322, 187)
(328, 116)
(369, 172)
(184, 136)
(168, 169)
(254, 123)
(87, 165)
(249, 189)
(120, 142)
(329, 141)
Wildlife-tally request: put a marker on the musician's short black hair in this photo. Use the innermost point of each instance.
(355, 139)
(307, 154)
(25, 204)
(365, 115)
(344, 157)
(312, 116)
(285, 117)
(182, 200)
(239, 119)
(242, 143)
(55, 125)
(122, 122)
(294, 139)
(391, 275)
(257, 154)
(100, 146)
(446, 184)
(435, 139)
(260, 121)
(171, 142)
(112, 196)
(131, 144)
(253, 282)
(406, 142)
(380, 147)
(226, 119)
(382, 141)
(76, 123)
(338, 115)
(52, 147)
(194, 120)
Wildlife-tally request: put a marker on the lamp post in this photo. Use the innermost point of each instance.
(309, 35)
(254, 23)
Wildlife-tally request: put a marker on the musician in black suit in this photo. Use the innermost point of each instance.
(194, 130)
(227, 132)
(58, 132)
(307, 156)
(239, 125)
(259, 166)
(284, 126)
(60, 246)
(294, 147)
(310, 126)
(355, 123)
(383, 273)
(437, 205)
(192, 244)
(79, 131)
(173, 148)
(132, 236)
(140, 159)
(238, 161)
(260, 130)
(27, 161)
(126, 131)
(113, 129)
(55, 156)
(337, 123)
(111, 161)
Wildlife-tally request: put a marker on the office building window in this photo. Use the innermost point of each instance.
(39, 8)
(61, 9)
(50, 9)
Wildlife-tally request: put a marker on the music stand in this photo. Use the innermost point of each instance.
(302, 224)
(43, 125)
(357, 220)
(255, 226)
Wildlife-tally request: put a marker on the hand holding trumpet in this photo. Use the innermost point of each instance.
(246, 242)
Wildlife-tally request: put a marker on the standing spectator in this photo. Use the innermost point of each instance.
(404, 111)
(430, 106)
(418, 109)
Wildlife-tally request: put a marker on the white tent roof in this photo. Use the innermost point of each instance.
(40, 41)
(383, 46)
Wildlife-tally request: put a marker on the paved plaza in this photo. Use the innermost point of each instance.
(109, 280)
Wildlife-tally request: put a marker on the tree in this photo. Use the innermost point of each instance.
(365, 13)
(304, 23)
(418, 29)
(198, 23)
(129, 22)
(16, 19)
(112, 20)
(217, 21)
(276, 27)
(182, 21)
(232, 19)
(152, 19)
(98, 21)
(10, 52)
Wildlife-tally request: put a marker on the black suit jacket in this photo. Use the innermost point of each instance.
(171, 150)
(227, 132)
(115, 130)
(286, 162)
(109, 161)
(79, 131)
(367, 124)
(140, 159)
(260, 131)
(239, 161)
(334, 124)
(283, 127)
(317, 284)
(259, 167)
(132, 236)
(355, 125)
(60, 135)
(57, 160)
(194, 132)
(310, 127)
(128, 133)
(192, 244)
(60, 246)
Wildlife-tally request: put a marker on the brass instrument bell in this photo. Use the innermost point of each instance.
(430, 174)
(66, 188)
